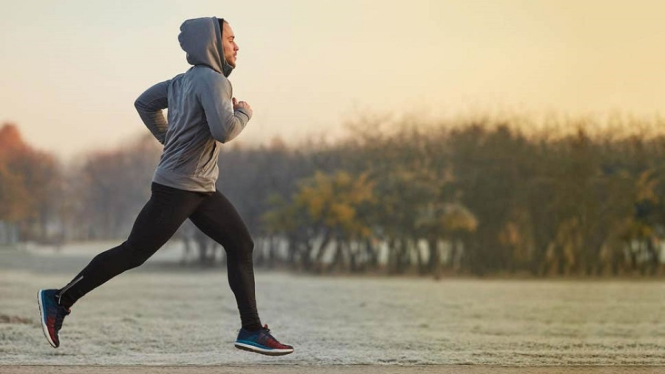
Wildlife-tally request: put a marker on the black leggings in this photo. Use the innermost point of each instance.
(166, 210)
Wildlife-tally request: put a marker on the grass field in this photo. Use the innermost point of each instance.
(162, 315)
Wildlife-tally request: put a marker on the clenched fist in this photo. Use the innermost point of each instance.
(242, 104)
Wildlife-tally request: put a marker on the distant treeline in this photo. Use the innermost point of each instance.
(481, 197)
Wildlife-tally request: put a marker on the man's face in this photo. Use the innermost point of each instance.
(229, 44)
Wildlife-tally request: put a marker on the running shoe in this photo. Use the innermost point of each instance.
(52, 315)
(262, 342)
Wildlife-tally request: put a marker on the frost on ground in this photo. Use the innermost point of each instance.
(162, 315)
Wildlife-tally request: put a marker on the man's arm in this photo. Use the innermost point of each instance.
(225, 119)
(150, 105)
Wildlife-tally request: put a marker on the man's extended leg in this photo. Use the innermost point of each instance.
(166, 210)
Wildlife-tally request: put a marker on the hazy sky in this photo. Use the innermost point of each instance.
(71, 69)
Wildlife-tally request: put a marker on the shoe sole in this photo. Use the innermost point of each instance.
(42, 319)
(267, 352)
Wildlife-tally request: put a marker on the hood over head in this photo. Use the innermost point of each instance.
(201, 38)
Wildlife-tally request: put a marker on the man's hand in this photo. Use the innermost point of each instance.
(242, 104)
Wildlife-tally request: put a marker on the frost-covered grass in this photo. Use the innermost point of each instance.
(153, 315)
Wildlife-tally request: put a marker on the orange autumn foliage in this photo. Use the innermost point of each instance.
(26, 176)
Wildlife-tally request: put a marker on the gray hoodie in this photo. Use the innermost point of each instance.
(200, 111)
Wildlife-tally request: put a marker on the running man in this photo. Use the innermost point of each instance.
(202, 114)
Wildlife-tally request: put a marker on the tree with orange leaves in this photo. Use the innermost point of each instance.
(27, 177)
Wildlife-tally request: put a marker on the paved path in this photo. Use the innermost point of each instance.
(351, 369)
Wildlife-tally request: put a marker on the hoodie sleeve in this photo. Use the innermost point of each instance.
(150, 105)
(216, 98)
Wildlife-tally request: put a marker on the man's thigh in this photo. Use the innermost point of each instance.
(161, 217)
(218, 218)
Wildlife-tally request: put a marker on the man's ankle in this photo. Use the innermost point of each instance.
(253, 327)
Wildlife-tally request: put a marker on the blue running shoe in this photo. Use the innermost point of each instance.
(52, 315)
(262, 342)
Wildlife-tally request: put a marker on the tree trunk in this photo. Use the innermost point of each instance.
(434, 265)
(372, 254)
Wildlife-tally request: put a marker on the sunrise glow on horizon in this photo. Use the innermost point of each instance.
(72, 70)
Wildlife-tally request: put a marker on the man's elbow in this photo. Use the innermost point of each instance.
(220, 137)
(139, 105)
